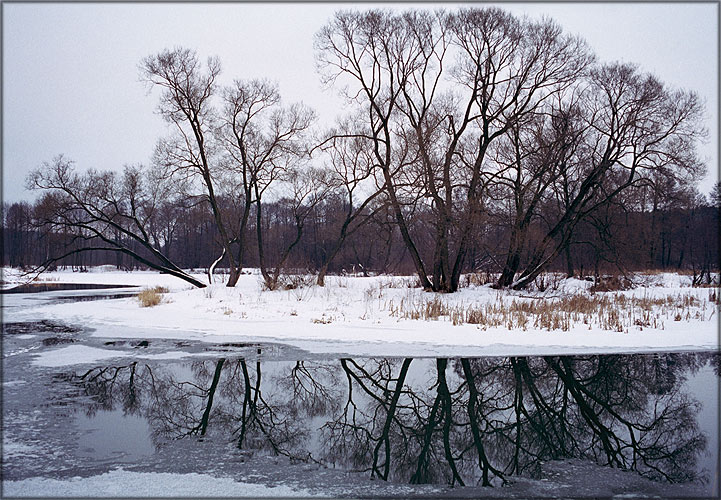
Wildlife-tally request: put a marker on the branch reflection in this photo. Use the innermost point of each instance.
(455, 421)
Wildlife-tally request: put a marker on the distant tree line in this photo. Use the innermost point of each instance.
(680, 234)
(473, 140)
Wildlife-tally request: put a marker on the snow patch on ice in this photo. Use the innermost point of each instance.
(80, 354)
(122, 483)
(13, 383)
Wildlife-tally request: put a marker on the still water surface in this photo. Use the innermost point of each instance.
(456, 421)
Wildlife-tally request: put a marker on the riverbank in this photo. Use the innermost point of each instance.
(390, 315)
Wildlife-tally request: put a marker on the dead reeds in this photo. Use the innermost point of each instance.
(614, 312)
(151, 296)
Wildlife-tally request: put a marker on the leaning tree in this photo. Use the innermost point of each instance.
(117, 212)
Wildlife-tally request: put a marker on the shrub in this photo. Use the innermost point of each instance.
(298, 281)
(611, 284)
(478, 279)
(151, 296)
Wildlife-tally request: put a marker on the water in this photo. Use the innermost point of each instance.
(308, 412)
(114, 436)
(59, 287)
(541, 426)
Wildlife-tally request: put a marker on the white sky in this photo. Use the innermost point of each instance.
(71, 84)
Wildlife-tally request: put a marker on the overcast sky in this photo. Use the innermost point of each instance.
(71, 85)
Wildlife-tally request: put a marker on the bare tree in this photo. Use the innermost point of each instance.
(533, 163)
(185, 102)
(636, 127)
(307, 189)
(374, 51)
(268, 143)
(352, 175)
(430, 143)
(261, 138)
(107, 211)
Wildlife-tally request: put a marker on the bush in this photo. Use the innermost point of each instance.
(151, 296)
(611, 284)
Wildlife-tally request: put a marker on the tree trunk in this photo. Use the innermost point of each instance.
(248, 404)
(483, 462)
(421, 474)
(211, 394)
(211, 269)
(569, 261)
(405, 234)
(259, 233)
(276, 274)
(385, 436)
(233, 280)
(336, 249)
(513, 259)
(447, 416)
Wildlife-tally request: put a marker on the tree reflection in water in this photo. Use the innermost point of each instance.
(456, 421)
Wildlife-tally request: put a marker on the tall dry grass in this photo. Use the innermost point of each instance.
(151, 296)
(614, 312)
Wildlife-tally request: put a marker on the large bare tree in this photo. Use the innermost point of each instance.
(635, 130)
(430, 126)
(191, 152)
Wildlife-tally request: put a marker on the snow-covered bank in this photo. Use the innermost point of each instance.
(122, 483)
(389, 316)
(567, 478)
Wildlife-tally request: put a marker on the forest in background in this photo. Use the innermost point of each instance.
(680, 235)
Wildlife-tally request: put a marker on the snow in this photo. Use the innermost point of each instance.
(76, 354)
(122, 483)
(566, 479)
(366, 316)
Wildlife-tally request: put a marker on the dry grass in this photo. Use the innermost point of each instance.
(151, 296)
(613, 312)
(478, 279)
(323, 320)
(611, 284)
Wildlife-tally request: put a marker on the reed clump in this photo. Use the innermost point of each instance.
(151, 296)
